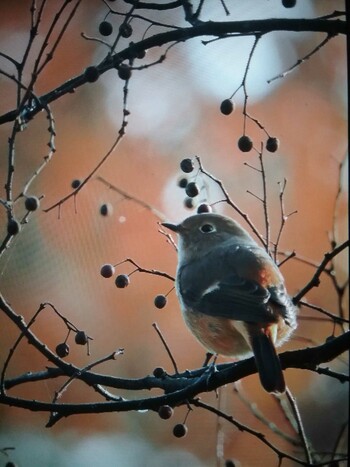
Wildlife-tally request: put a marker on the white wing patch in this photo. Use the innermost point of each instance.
(211, 288)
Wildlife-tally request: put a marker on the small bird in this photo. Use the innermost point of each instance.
(232, 294)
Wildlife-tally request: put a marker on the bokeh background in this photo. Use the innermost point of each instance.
(174, 113)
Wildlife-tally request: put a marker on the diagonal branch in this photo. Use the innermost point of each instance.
(209, 28)
(315, 280)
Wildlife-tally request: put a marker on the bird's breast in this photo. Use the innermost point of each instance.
(217, 335)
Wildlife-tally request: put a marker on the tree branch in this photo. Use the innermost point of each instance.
(177, 388)
(210, 28)
(315, 280)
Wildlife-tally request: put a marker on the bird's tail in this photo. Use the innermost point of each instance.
(267, 362)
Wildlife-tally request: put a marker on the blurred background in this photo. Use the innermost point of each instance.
(174, 113)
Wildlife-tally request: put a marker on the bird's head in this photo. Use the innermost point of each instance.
(200, 233)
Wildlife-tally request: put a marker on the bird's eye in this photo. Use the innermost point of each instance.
(206, 228)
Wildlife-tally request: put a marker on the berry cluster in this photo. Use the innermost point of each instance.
(31, 203)
(191, 188)
(245, 143)
(165, 412)
(125, 30)
(105, 28)
(81, 338)
(106, 209)
(123, 280)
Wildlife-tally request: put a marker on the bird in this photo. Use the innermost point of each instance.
(232, 294)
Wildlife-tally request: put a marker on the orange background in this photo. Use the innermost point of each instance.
(57, 259)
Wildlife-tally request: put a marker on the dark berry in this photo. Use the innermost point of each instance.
(245, 144)
(180, 430)
(187, 165)
(160, 301)
(182, 182)
(13, 227)
(62, 350)
(81, 338)
(124, 71)
(204, 207)
(229, 463)
(189, 203)
(75, 184)
(122, 281)
(159, 372)
(10, 464)
(227, 107)
(32, 203)
(272, 144)
(165, 412)
(105, 28)
(106, 209)
(289, 3)
(125, 30)
(192, 189)
(141, 54)
(107, 270)
(91, 74)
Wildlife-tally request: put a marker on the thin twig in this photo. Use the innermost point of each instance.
(121, 133)
(133, 198)
(302, 60)
(244, 81)
(287, 258)
(47, 158)
(259, 415)
(229, 201)
(315, 280)
(227, 11)
(303, 259)
(296, 413)
(339, 288)
(166, 347)
(241, 427)
(13, 348)
(74, 376)
(54, 417)
(341, 377)
(284, 218)
(265, 202)
(335, 318)
(139, 268)
(341, 433)
(168, 237)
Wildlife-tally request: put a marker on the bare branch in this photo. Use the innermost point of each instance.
(133, 198)
(167, 348)
(315, 280)
(210, 28)
(230, 202)
(259, 415)
(139, 268)
(304, 59)
(121, 133)
(335, 318)
(299, 423)
(241, 427)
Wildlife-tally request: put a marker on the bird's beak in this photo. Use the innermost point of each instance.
(173, 227)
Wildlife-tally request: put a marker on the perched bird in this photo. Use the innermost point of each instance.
(232, 294)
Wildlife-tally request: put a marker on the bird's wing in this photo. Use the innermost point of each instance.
(214, 287)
